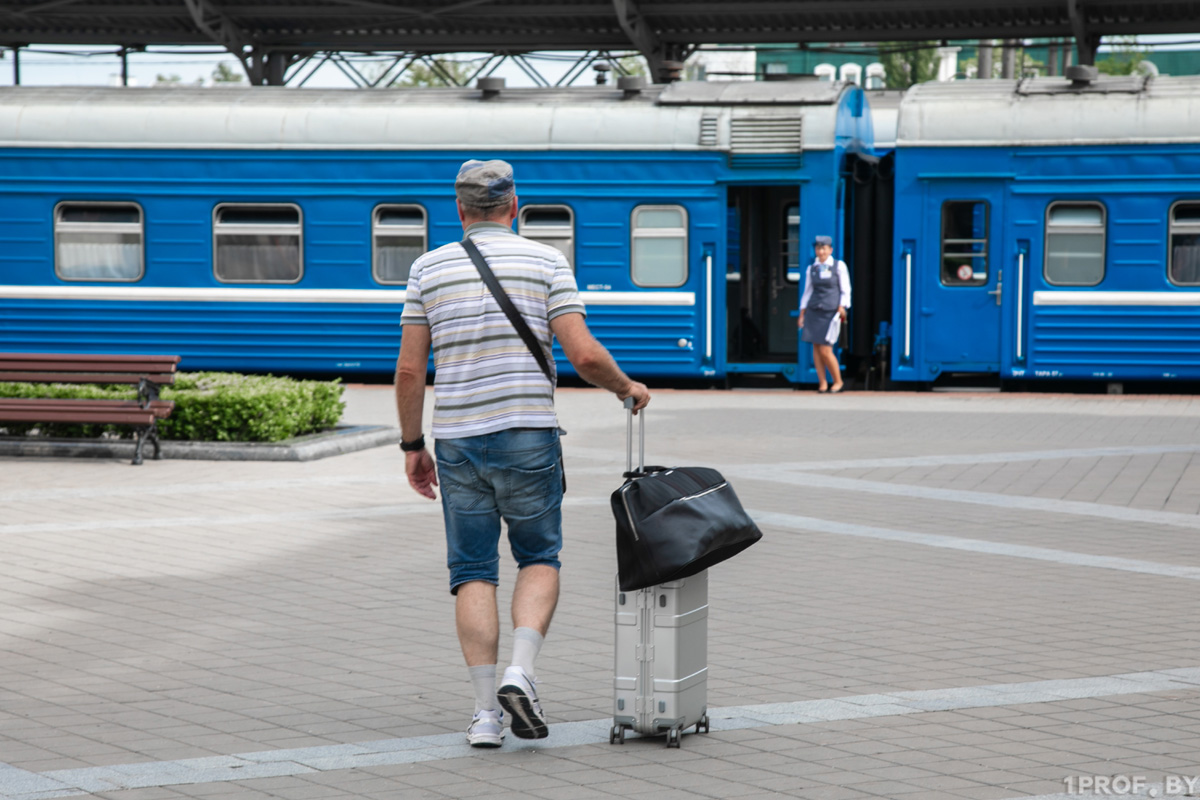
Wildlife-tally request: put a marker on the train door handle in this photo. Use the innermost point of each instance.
(998, 291)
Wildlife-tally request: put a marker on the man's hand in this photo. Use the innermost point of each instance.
(422, 474)
(639, 393)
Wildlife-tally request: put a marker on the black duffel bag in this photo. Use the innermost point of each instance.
(676, 522)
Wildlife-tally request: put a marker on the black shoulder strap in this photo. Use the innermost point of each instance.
(506, 305)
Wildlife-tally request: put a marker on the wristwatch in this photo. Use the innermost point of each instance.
(414, 446)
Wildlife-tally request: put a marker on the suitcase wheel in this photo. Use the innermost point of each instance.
(702, 724)
(674, 736)
(616, 734)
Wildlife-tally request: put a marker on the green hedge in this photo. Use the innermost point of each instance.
(209, 406)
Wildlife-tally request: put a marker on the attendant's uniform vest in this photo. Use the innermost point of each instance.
(826, 291)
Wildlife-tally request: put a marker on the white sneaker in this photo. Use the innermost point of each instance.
(518, 697)
(487, 729)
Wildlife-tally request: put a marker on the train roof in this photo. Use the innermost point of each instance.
(728, 116)
(885, 112)
(1051, 111)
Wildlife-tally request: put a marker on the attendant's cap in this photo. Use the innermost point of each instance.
(485, 184)
(823, 240)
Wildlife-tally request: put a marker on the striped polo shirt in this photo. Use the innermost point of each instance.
(486, 379)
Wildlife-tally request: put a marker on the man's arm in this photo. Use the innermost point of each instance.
(593, 362)
(410, 406)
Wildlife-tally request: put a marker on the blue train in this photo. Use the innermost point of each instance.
(1039, 229)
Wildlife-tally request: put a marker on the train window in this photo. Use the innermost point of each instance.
(400, 235)
(791, 242)
(1074, 244)
(964, 243)
(659, 247)
(1184, 255)
(98, 242)
(257, 243)
(552, 225)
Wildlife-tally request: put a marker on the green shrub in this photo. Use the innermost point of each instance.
(209, 406)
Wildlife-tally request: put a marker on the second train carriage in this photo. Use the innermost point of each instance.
(1048, 229)
(272, 229)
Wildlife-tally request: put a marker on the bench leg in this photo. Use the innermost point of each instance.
(141, 434)
(153, 434)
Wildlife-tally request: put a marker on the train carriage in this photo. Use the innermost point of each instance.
(273, 229)
(1048, 229)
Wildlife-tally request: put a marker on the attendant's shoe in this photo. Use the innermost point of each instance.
(518, 697)
(837, 389)
(825, 390)
(487, 729)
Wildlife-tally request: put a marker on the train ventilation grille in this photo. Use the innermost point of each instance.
(762, 140)
(708, 131)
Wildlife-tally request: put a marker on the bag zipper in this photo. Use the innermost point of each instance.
(628, 513)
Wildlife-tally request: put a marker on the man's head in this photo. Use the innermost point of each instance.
(485, 192)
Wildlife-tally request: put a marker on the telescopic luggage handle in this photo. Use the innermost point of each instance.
(629, 403)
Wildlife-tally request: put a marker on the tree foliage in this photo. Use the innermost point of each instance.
(907, 63)
(422, 74)
(223, 73)
(1125, 58)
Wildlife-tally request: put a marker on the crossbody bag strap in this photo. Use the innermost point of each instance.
(506, 305)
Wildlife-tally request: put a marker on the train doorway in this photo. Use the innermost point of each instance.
(763, 277)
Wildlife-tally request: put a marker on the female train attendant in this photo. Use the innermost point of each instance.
(826, 298)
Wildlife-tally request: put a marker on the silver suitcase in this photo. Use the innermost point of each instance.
(661, 652)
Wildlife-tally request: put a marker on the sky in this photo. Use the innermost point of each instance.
(47, 65)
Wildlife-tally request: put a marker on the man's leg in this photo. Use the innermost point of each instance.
(478, 622)
(535, 597)
(472, 532)
(532, 506)
(534, 600)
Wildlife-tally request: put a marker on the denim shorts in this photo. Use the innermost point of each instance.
(514, 474)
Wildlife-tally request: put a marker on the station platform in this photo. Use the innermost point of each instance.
(980, 596)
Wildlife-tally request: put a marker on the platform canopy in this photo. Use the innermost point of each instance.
(269, 35)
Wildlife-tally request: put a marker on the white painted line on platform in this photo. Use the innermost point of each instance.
(18, 784)
(968, 459)
(1006, 501)
(795, 522)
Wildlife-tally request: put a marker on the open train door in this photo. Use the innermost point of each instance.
(763, 279)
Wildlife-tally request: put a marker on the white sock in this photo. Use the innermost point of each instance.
(483, 680)
(526, 644)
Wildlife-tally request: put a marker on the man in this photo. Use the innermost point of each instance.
(498, 452)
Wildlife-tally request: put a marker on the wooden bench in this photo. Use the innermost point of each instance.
(147, 372)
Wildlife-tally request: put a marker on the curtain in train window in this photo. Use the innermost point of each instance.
(257, 243)
(552, 225)
(790, 246)
(400, 235)
(964, 243)
(659, 246)
(98, 242)
(1184, 258)
(1074, 244)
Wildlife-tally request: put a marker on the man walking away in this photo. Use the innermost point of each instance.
(497, 449)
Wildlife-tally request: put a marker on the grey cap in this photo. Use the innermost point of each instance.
(823, 240)
(485, 184)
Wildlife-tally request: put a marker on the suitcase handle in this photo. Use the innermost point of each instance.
(629, 403)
